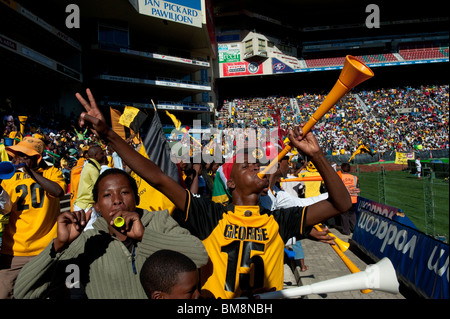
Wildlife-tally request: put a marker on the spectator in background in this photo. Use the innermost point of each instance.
(35, 192)
(418, 167)
(91, 170)
(5, 209)
(9, 126)
(348, 219)
(168, 274)
(312, 188)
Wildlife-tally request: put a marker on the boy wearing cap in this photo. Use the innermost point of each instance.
(35, 193)
(244, 242)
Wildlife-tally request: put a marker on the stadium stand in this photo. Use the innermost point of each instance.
(425, 53)
(399, 119)
(406, 54)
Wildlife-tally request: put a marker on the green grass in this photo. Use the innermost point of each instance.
(405, 191)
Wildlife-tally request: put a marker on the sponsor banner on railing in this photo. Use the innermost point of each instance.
(420, 260)
(160, 56)
(390, 212)
(373, 65)
(402, 158)
(166, 83)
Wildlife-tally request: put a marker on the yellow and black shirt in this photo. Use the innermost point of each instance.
(32, 222)
(245, 244)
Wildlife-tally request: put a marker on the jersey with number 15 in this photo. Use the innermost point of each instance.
(245, 244)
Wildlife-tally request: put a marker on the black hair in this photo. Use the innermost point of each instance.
(160, 271)
(345, 167)
(116, 171)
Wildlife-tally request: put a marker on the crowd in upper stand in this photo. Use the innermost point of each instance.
(396, 119)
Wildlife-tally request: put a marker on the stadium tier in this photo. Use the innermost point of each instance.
(423, 54)
(405, 54)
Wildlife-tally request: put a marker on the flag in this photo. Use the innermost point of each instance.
(133, 118)
(156, 148)
(123, 131)
(150, 198)
(177, 124)
(220, 193)
(175, 121)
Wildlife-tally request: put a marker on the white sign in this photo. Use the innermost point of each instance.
(186, 12)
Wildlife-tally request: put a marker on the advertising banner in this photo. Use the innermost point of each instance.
(229, 53)
(390, 212)
(402, 158)
(280, 67)
(242, 68)
(373, 65)
(420, 260)
(181, 11)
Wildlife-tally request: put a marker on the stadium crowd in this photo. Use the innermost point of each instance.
(400, 119)
(397, 119)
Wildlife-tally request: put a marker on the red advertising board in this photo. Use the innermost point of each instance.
(242, 68)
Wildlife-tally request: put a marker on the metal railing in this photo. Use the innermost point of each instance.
(424, 201)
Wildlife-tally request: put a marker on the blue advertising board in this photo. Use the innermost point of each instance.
(420, 260)
(280, 67)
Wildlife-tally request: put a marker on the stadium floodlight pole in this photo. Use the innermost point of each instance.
(353, 73)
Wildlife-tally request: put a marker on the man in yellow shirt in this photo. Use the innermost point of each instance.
(35, 193)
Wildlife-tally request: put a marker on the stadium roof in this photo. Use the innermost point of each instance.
(308, 13)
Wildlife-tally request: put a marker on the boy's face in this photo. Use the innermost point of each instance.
(115, 194)
(244, 177)
(185, 288)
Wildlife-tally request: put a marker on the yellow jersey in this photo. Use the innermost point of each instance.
(245, 244)
(32, 221)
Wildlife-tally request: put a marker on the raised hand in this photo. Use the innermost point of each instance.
(307, 144)
(70, 226)
(92, 117)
